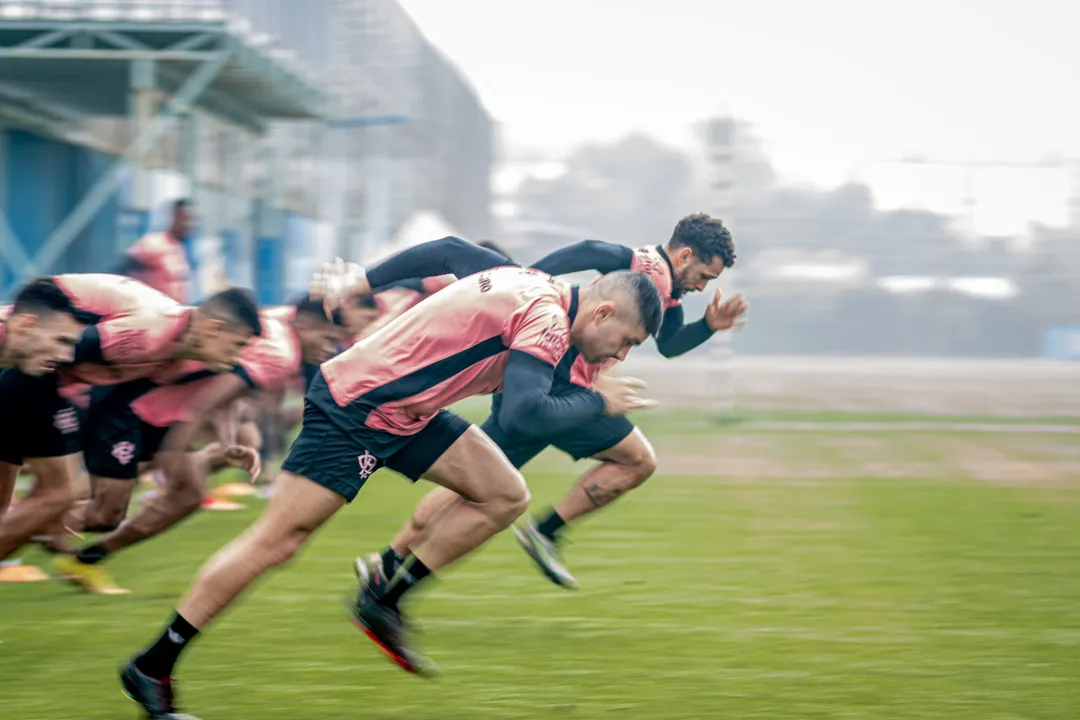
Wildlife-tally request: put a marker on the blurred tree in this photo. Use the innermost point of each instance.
(632, 191)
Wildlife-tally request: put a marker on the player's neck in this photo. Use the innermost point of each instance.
(186, 345)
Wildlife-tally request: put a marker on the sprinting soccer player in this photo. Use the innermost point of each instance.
(382, 404)
(132, 331)
(699, 250)
(162, 259)
(147, 420)
(37, 333)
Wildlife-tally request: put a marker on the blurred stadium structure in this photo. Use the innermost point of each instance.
(302, 130)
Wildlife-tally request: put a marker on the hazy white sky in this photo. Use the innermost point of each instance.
(834, 86)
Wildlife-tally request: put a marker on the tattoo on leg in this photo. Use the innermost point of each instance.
(599, 496)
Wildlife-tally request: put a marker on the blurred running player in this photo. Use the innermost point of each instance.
(699, 250)
(162, 260)
(37, 333)
(382, 404)
(157, 418)
(132, 332)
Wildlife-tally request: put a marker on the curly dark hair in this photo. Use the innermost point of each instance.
(706, 236)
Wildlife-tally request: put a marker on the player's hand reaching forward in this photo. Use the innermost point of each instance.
(246, 458)
(722, 315)
(338, 283)
(620, 394)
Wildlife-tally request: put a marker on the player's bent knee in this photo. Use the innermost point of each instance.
(513, 498)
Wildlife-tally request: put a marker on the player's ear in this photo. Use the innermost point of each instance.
(210, 325)
(685, 256)
(604, 311)
(23, 322)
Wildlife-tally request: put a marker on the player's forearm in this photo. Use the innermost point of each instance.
(448, 256)
(684, 339)
(595, 255)
(529, 409)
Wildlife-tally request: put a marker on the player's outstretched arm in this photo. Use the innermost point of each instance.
(597, 255)
(676, 337)
(529, 409)
(447, 256)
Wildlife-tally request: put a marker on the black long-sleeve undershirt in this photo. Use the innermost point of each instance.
(528, 407)
(597, 255)
(446, 256)
(676, 338)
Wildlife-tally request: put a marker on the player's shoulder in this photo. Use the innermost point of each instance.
(274, 353)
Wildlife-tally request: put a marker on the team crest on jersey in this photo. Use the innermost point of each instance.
(66, 421)
(554, 338)
(128, 342)
(485, 282)
(368, 464)
(124, 452)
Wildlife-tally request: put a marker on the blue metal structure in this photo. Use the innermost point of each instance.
(57, 69)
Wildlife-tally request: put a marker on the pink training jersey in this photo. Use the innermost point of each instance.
(138, 326)
(395, 302)
(271, 362)
(166, 265)
(452, 346)
(654, 262)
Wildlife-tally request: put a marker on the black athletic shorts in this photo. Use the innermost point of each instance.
(584, 441)
(336, 450)
(35, 420)
(115, 439)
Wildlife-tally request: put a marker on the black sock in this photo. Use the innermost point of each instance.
(92, 554)
(158, 661)
(550, 525)
(391, 562)
(409, 577)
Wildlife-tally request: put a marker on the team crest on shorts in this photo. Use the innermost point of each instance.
(368, 463)
(124, 452)
(66, 421)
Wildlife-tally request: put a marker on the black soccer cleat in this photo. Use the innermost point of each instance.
(385, 627)
(155, 696)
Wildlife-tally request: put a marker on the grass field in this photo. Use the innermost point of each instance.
(761, 574)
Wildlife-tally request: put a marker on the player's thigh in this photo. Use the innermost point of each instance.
(9, 474)
(58, 475)
(475, 468)
(110, 494)
(249, 435)
(634, 450)
(299, 505)
(595, 437)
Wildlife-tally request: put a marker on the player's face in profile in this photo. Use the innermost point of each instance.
(44, 342)
(184, 222)
(693, 275)
(358, 319)
(220, 347)
(610, 335)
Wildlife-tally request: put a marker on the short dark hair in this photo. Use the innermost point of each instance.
(182, 204)
(237, 307)
(706, 236)
(640, 291)
(490, 245)
(316, 310)
(42, 296)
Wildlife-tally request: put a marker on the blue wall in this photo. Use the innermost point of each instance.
(43, 180)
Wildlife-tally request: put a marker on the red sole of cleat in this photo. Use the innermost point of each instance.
(390, 654)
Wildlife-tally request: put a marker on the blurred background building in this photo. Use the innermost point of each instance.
(309, 129)
(305, 130)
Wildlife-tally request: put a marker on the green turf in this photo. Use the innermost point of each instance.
(703, 596)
